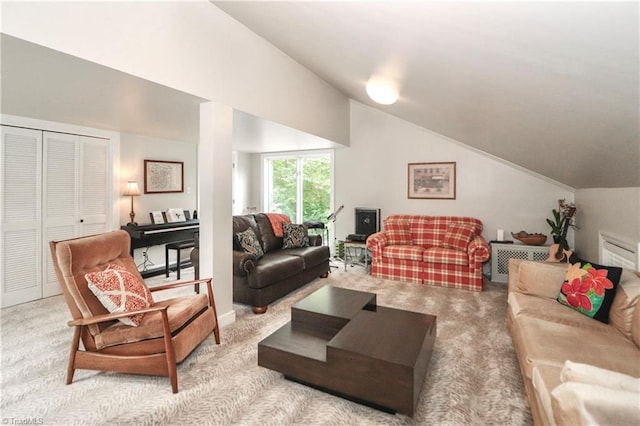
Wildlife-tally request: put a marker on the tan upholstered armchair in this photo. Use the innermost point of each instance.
(168, 332)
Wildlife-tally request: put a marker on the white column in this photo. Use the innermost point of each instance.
(215, 206)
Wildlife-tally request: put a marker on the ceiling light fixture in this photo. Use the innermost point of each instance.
(382, 91)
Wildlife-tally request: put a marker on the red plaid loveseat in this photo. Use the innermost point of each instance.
(444, 251)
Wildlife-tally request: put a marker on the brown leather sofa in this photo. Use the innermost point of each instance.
(259, 282)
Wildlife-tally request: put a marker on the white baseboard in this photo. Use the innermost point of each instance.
(227, 318)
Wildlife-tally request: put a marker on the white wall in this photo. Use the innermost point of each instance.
(613, 211)
(243, 180)
(191, 46)
(134, 150)
(372, 172)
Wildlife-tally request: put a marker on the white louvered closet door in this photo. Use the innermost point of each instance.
(20, 249)
(94, 184)
(75, 194)
(59, 198)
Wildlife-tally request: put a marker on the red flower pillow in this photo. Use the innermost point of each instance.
(590, 289)
(120, 291)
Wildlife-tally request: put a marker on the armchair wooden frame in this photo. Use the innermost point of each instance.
(157, 355)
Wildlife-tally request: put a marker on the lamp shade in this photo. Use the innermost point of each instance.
(132, 188)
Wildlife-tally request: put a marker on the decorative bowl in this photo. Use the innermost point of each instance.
(530, 239)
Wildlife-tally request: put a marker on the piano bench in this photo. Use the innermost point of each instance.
(179, 245)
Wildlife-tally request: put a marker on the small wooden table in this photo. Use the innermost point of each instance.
(341, 342)
(353, 250)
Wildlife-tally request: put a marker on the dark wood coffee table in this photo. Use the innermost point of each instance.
(340, 341)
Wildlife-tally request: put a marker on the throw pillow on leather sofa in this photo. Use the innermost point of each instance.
(259, 281)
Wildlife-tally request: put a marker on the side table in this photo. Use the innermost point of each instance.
(353, 251)
(502, 252)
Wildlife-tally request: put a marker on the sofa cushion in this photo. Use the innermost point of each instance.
(181, 309)
(458, 236)
(248, 241)
(540, 278)
(422, 232)
(403, 252)
(549, 342)
(445, 255)
(241, 223)
(311, 256)
(277, 220)
(590, 289)
(625, 302)
(550, 310)
(398, 232)
(294, 236)
(274, 267)
(265, 230)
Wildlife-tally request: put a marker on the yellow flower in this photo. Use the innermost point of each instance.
(574, 271)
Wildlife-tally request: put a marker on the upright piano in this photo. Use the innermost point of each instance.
(143, 236)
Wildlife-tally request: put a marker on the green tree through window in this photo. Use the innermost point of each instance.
(300, 187)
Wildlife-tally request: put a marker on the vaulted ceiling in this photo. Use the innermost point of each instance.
(550, 86)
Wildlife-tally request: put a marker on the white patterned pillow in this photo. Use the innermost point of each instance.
(294, 236)
(120, 291)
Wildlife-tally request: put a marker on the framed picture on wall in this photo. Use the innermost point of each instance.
(432, 181)
(163, 176)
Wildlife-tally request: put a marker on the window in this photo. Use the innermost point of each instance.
(299, 185)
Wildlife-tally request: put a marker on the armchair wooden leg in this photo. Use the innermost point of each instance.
(212, 303)
(216, 332)
(259, 309)
(75, 344)
(170, 353)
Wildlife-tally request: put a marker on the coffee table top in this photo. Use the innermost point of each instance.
(388, 334)
(336, 302)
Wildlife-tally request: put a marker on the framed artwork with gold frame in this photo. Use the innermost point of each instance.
(432, 181)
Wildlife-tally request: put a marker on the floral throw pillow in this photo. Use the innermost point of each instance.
(249, 242)
(120, 291)
(590, 289)
(295, 236)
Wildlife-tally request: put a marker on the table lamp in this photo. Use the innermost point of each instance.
(132, 190)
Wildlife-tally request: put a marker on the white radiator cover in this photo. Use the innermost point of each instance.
(616, 251)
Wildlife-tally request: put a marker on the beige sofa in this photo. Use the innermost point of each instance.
(549, 338)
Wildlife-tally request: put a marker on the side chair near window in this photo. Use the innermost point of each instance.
(168, 331)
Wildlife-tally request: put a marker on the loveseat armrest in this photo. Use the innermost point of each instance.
(376, 242)
(243, 263)
(478, 250)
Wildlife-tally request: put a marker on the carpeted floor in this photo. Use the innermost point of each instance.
(473, 376)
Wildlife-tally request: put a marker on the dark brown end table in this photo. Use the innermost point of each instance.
(340, 341)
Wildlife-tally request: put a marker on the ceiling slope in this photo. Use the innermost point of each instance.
(550, 86)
